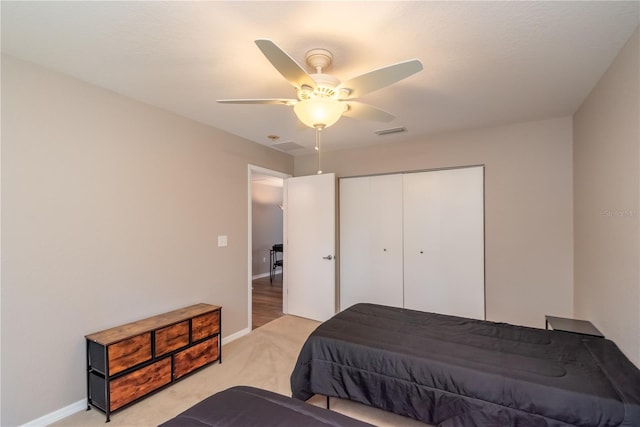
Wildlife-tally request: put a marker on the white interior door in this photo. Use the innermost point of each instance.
(309, 247)
(444, 241)
(371, 240)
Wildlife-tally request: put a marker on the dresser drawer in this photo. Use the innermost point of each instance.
(172, 338)
(129, 387)
(195, 357)
(128, 353)
(205, 325)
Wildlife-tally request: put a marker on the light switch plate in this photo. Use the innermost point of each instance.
(222, 241)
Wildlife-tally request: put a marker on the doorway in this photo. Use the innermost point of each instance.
(266, 223)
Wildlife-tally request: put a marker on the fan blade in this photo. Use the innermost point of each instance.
(258, 101)
(377, 79)
(358, 110)
(287, 66)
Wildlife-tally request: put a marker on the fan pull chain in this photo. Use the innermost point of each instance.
(318, 149)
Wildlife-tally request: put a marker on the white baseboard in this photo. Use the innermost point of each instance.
(81, 405)
(259, 276)
(45, 420)
(233, 337)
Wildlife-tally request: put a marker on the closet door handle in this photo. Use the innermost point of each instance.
(329, 257)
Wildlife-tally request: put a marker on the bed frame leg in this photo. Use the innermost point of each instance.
(328, 403)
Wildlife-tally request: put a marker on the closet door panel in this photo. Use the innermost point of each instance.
(355, 240)
(386, 257)
(371, 240)
(444, 241)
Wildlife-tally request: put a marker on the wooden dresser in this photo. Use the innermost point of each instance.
(129, 362)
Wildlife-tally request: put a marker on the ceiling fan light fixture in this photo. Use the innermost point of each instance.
(319, 112)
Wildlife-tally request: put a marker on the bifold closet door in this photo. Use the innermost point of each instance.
(371, 240)
(444, 241)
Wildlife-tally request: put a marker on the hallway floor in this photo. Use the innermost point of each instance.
(267, 300)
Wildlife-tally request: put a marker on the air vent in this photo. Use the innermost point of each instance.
(287, 146)
(390, 131)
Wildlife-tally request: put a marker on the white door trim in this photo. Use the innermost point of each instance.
(251, 169)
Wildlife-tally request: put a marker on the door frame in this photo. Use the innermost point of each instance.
(251, 169)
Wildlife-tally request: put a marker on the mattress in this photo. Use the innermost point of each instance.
(452, 371)
(243, 406)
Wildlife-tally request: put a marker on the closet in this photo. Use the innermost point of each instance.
(414, 240)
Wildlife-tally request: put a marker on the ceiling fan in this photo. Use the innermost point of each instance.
(321, 98)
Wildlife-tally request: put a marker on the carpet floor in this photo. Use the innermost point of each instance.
(263, 358)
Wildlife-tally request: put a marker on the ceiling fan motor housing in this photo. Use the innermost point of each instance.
(319, 59)
(325, 85)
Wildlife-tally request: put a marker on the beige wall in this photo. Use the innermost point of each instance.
(607, 203)
(528, 198)
(266, 221)
(110, 212)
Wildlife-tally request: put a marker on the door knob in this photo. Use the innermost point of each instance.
(328, 257)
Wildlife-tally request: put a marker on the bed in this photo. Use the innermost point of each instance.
(451, 371)
(244, 406)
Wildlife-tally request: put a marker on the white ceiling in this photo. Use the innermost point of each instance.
(485, 63)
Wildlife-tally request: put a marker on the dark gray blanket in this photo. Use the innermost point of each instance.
(452, 371)
(244, 406)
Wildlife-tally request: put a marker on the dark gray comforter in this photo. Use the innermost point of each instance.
(452, 371)
(244, 406)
